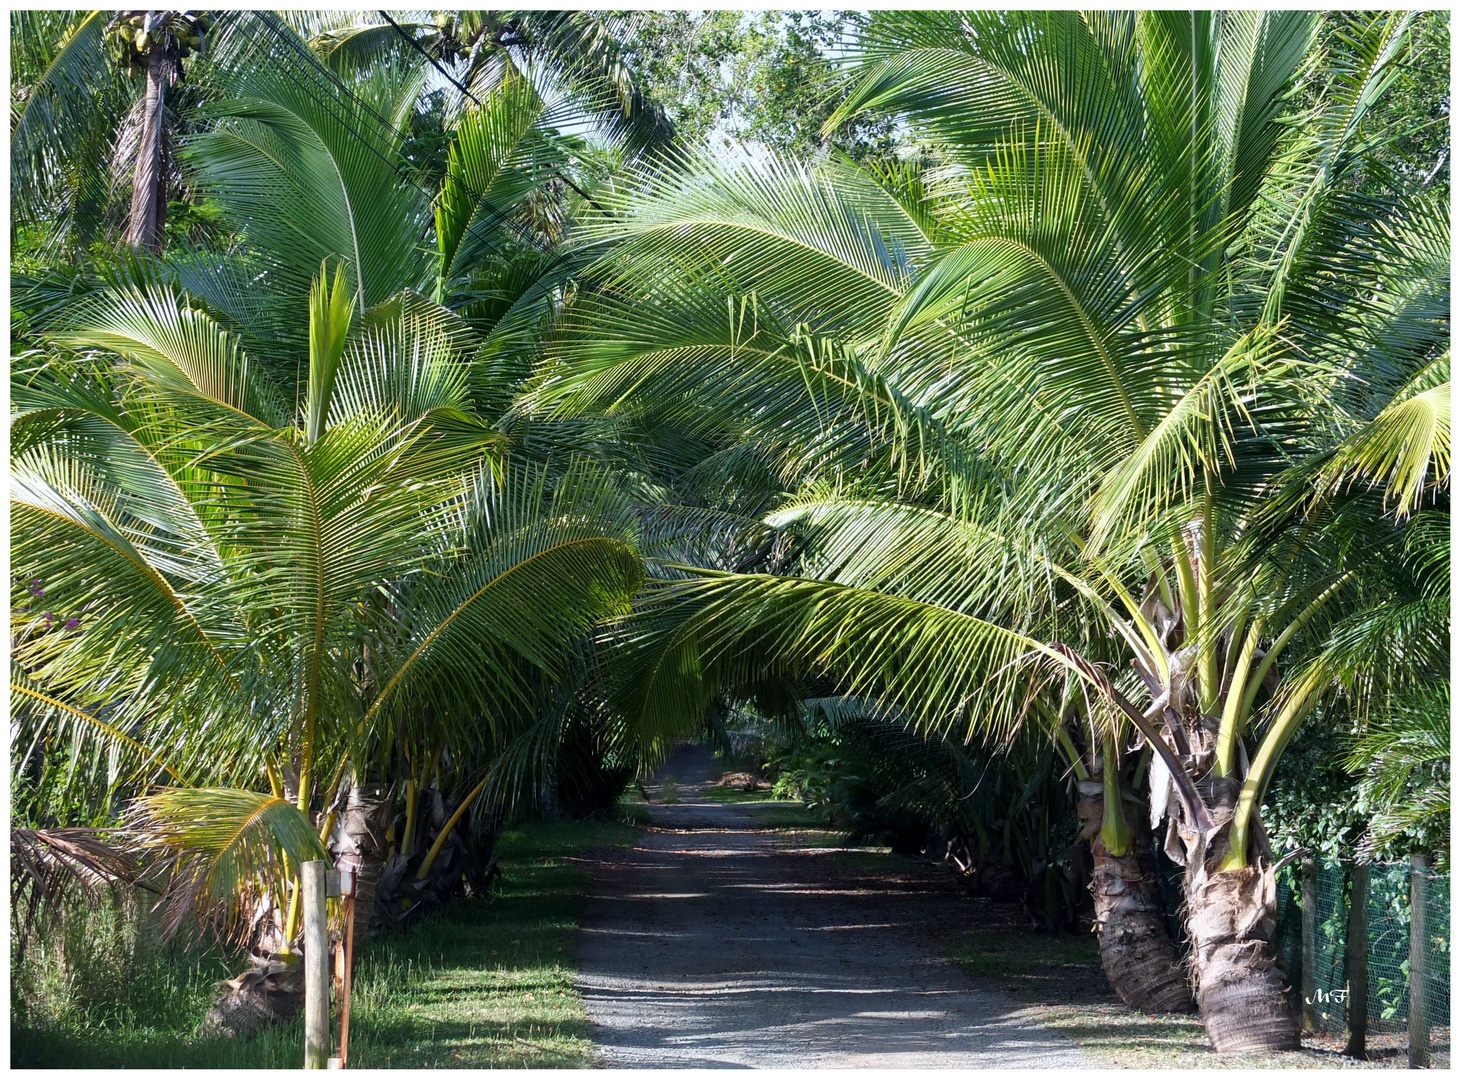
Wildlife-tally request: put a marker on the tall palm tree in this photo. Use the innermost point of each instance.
(1083, 384)
(73, 73)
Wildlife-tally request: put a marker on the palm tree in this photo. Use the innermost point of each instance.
(264, 588)
(309, 166)
(1083, 384)
(77, 112)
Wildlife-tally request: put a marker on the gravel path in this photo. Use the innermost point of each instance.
(719, 944)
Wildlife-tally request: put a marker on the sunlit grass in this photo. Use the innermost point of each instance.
(483, 983)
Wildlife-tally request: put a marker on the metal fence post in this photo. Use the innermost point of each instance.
(1357, 956)
(1420, 1036)
(316, 968)
(1309, 934)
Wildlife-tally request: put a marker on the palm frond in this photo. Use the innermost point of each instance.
(230, 848)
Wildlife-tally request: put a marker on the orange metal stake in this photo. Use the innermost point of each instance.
(349, 973)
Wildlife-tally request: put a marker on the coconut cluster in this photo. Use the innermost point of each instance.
(134, 35)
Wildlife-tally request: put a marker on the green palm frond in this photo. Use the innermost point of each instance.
(312, 170)
(1376, 43)
(330, 312)
(948, 671)
(584, 52)
(230, 848)
(1197, 437)
(495, 161)
(1405, 450)
(1405, 760)
(537, 568)
(180, 349)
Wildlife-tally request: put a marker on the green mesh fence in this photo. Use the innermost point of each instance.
(1388, 933)
(1388, 948)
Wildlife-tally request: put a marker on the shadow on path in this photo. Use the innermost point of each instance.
(720, 944)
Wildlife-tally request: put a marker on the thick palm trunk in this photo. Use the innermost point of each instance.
(1137, 952)
(357, 846)
(1242, 994)
(144, 228)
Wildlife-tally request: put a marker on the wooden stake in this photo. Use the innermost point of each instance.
(1420, 1035)
(1309, 934)
(316, 967)
(1357, 956)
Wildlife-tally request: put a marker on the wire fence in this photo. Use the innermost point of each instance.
(1388, 943)
(1388, 949)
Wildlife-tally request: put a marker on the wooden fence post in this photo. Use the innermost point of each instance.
(1357, 957)
(1420, 1035)
(316, 967)
(1309, 935)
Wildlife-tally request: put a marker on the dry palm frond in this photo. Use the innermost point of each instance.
(49, 865)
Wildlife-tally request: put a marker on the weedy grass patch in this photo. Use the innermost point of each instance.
(483, 983)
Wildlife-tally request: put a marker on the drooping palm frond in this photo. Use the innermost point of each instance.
(312, 167)
(181, 350)
(1303, 199)
(1405, 450)
(230, 849)
(946, 670)
(1405, 760)
(50, 866)
(537, 566)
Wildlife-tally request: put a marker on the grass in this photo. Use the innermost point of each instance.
(484, 983)
(735, 795)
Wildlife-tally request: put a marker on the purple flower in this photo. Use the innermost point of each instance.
(72, 624)
(35, 588)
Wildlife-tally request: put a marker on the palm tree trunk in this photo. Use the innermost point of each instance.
(144, 225)
(358, 847)
(1242, 994)
(1137, 952)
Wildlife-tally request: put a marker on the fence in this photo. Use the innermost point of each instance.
(1326, 984)
(1388, 944)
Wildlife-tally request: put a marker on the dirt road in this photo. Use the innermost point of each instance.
(718, 943)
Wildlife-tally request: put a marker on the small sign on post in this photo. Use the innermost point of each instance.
(316, 966)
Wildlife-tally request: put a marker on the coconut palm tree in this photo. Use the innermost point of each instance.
(262, 590)
(311, 165)
(1083, 384)
(77, 112)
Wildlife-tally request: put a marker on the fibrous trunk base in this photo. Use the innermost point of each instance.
(269, 994)
(1138, 955)
(1241, 991)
